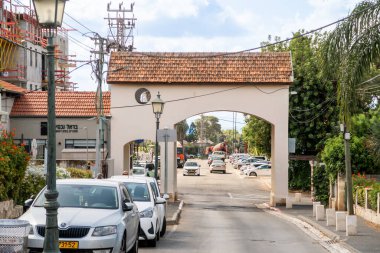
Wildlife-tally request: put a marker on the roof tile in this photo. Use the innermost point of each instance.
(136, 67)
(11, 87)
(67, 104)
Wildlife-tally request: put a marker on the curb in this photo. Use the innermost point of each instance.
(175, 218)
(328, 233)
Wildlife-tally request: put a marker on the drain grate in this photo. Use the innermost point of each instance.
(330, 242)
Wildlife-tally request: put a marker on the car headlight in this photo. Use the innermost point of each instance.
(147, 213)
(103, 231)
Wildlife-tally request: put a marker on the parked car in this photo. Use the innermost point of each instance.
(218, 165)
(156, 190)
(93, 215)
(192, 168)
(261, 170)
(147, 203)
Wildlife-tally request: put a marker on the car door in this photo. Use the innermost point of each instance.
(161, 208)
(265, 170)
(131, 218)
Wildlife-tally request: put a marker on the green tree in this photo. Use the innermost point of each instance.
(349, 53)
(181, 128)
(208, 127)
(312, 115)
(257, 134)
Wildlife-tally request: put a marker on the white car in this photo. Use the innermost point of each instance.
(218, 165)
(192, 168)
(156, 190)
(139, 171)
(147, 203)
(94, 215)
(261, 170)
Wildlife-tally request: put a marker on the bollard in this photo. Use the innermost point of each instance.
(340, 218)
(319, 212)
(314, 204)
(289, 202)
(330, 216)
(351, 225)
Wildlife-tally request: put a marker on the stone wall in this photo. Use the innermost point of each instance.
(8, 210)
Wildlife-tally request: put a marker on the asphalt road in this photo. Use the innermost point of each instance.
(220, 216)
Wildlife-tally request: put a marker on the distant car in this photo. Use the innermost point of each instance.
(191, 156)
(218, 165)
(147, 203)
(94, 215)
(138, 171)
(261, 170)
(192, 168)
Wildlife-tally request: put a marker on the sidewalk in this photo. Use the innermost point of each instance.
(173, 212)
(366, 241)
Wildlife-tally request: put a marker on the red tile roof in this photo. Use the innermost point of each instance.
(67, 103)
(135, 67)
(11, 87)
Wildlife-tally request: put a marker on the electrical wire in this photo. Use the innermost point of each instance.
(80, 23)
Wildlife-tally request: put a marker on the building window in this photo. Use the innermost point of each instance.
(44, 128)
(36, 87)
(30, 87)
(36, 57)
(80, 143)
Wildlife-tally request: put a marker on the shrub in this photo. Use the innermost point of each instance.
(321, 184)
(79, 173)
(360, 183)
(13, 163)
(299, 175)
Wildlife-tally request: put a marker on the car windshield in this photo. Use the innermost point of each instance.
(192, 164)
(138, 171)
(218, 161)
(139, 191)
(84, 196)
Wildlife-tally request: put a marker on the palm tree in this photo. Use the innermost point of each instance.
(348, 54)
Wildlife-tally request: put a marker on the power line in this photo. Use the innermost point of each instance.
(80, 23)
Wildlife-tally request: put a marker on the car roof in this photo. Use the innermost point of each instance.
(136, 179)
(87, 181)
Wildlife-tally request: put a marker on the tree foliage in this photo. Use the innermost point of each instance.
(257, 134)
(208, 127)
(313, 109)
(13, 164)
(350, 51)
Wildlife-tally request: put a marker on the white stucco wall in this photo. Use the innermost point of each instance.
(131, 121)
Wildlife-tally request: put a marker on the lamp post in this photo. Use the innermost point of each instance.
(49, 15)
(158, 108)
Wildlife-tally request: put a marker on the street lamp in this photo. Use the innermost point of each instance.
(49, 15)
(158, 108)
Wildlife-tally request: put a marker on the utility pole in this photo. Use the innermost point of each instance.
(346, 138)
(120, 37)
(100, 44)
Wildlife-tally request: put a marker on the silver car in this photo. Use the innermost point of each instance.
(95, 215)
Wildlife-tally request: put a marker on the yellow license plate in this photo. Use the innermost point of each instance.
(68, 245)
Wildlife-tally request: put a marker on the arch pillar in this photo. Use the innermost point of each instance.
(279, 151)
(172, 189)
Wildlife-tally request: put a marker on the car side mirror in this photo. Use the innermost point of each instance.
(160, 201)
(28, 203)
(127, 206)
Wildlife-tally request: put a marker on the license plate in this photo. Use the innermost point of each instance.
(68, 245)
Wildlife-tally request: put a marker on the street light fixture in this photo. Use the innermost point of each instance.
(158, 108)
(49, 15)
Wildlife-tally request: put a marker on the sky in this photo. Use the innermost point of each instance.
(196, 26)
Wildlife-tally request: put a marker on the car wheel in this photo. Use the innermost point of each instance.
(224, 172)
(123, 246)
(163, 230)
(184, 174)
(253, 174)
(135, 248)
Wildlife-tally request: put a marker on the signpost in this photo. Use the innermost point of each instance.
(166, 135)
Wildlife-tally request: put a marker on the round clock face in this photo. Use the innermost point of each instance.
(142, 96)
